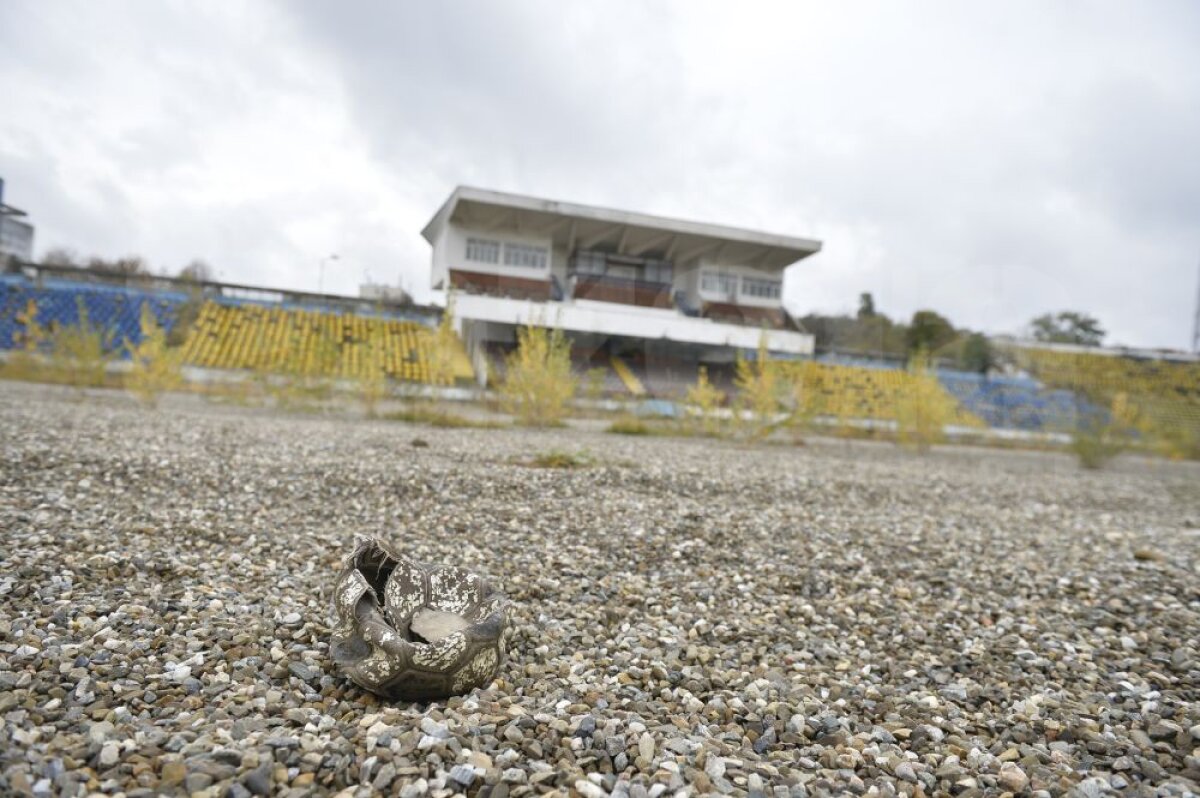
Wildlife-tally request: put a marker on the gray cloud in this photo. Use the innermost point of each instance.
(991, 162)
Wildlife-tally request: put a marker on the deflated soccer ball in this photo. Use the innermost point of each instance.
(415, 632)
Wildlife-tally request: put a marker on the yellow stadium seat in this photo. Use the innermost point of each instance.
(856, 392)
(314, 343)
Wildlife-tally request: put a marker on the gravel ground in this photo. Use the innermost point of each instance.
(837, 618)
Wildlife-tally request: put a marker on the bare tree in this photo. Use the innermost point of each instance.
(60, 256)
(128, 265)
(197, 271)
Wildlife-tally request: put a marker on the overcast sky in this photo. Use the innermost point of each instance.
(989, 160)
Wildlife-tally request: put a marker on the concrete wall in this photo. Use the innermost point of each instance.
(439, 278)
(606, 318)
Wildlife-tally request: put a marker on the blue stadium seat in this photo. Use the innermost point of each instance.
(1016, 402)
(114, 309)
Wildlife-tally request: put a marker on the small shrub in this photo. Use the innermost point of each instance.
(185, 317)
(629, 425)
(1179, 441)
(703, 400)
(538, 383)
(303, 384)
(758, 392)
(439, 418)
(1094, 445)
(556, 458)
(372, 378)
(372, 388)
(919, 422)
(154, 367)
(242, 393)
(1098, 439)
(80, 353)
(26, 363)
(444, 349)
(300, 393)
(802, 399)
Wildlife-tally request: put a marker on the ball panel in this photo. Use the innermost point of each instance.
(453, 589)
(441, 656)
(478, 671)
(404, 593)
(378, 669)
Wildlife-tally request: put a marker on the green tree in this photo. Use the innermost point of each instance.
(866, 305)
(977, 354)
(867, 335)
(1068, 327)
(928, 331)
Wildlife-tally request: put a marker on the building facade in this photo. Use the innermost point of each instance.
(616, 276)
(16, 235)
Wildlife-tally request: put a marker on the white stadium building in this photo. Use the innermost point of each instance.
(645, 296)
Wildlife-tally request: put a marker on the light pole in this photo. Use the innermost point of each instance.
(321, 273)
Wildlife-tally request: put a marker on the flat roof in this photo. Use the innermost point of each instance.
(578, 224)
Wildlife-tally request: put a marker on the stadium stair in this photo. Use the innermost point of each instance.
(630, 380)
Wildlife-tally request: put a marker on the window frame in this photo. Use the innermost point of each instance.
(475, 245)
(723, 283)
(520, 255)
(761, 288)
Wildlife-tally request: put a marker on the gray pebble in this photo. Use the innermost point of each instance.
(845, 618)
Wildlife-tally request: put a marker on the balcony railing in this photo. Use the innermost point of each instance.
(602, 288)
(491, 284)
(732, 313)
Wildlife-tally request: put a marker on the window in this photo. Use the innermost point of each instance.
(524, 256)
(718, 282)
(761, 289)
(587, 262)
(658, 271)
(483, 250)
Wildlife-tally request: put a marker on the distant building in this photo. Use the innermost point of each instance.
(1132, 352)
(383, 292)
(623, 285)
(16, 236)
